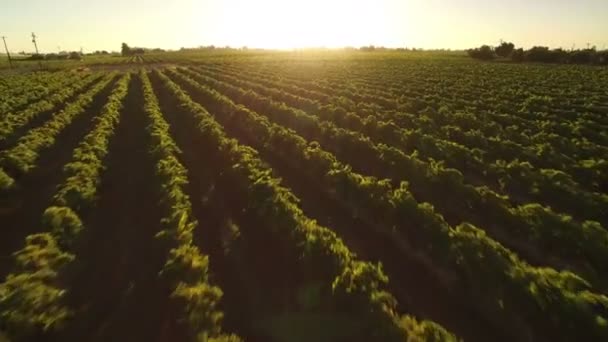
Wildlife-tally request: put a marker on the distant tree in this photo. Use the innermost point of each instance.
(484, 52)
(75, 55)
(517, 55)
(582, 56)
(544, 55)
(504, 49)
(559, 56)
(602, 57)
(37, 57)
(125, 50)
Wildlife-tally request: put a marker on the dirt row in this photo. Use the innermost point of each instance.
(116, 291)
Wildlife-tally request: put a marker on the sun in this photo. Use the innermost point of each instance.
(306, 23)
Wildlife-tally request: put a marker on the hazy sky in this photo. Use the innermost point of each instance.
(104, 24)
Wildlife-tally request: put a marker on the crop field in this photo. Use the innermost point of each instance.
(260, 196)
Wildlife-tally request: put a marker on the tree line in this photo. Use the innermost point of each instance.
(127, 50)
(542, 54)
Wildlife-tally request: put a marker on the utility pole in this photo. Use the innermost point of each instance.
(34, 41)
(8, 54)
(36, 46)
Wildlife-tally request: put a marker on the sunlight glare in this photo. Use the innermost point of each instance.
(294, 24)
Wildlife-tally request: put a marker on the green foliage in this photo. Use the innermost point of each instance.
(540, 54)
(186, 268)
(83, 172)
(125, 50)
(12, 121)
(200, 301)
(64, 225)
(464, 250)
(22, 158)
(221, 338)
(505, 49)
(356, 285)
(429, 180)
(186, 264)
(476, 170)
(484, 52)
(30, 299)
(34, 88)
(6, 182)
(425, 331)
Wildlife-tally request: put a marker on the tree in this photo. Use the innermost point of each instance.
(544, 55)
(484, 52)
(602, 57)
(504, 49)
(125, 49)
(517, 55)
(75, 55)
(37, 57)
(582, 56)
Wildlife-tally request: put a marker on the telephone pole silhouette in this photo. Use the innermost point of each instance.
(8, 54)
(34, 41)
(36, 46)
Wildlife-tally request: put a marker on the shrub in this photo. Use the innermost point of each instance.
(517, 55)
(484, 52)
(505, 49)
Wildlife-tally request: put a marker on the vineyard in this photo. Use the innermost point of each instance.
(304, 197)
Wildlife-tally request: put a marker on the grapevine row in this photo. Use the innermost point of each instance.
(32, 298)
(13, 121)
(354, 284)
(186, 267)
(430, 105)
(494, 278)
(21, 158)
(430, 183)
(549, 186)
(25, 91)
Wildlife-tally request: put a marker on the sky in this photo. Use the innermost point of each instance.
(285, 24)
